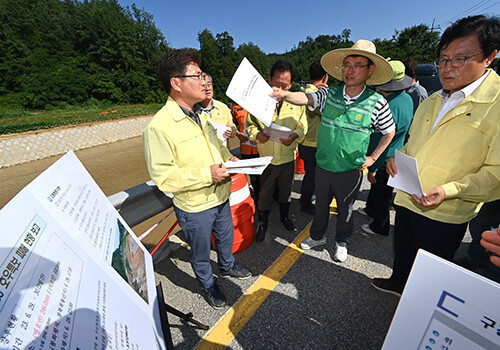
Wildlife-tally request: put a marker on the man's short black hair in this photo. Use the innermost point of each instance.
(282, 66)
(174, 63)
(316, 71)
(486, 29)
(411, 66)
(370, 62)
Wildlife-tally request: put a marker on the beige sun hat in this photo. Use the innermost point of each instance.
(332, 62)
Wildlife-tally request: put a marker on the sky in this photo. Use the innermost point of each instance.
(278, 26)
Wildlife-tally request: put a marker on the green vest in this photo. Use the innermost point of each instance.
(344, 133)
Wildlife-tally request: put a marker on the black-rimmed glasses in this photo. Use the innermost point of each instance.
(456, 62)
(202, 76)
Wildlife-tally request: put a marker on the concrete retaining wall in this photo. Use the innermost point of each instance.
(26, 147)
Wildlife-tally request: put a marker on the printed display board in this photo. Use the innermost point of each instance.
(73, 275)
(445, 307)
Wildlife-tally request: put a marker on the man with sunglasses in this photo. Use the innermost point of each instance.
(184, 156)
(455, 137)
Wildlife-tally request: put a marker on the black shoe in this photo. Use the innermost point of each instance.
(367, 228)
(263, 223)
(261, 234)
(309, 209)
(284, 209)
(288, 224)
(214, 297)
(386, 285)
(236, 271)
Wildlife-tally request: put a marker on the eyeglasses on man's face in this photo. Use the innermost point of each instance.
(356, 67)
(456, 62)
(202, 77)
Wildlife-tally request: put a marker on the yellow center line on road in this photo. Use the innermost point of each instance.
(233, 321)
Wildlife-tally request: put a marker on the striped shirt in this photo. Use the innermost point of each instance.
(382, 121)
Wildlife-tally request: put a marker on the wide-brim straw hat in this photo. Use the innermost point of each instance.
(332, 62)
(400, 81)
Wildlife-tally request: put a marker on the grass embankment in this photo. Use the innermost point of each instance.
(22, 120)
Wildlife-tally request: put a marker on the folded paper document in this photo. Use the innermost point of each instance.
(275, 132)
(254, 166)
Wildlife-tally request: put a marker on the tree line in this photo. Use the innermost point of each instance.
(59, 53)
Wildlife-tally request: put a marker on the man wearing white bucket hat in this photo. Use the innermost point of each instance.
(351, 112)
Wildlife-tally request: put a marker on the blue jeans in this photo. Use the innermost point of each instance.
(198, 229)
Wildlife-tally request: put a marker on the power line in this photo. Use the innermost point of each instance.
(492, 5)
(475, 9)
(469, 10)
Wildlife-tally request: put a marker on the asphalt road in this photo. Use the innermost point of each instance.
(318, 304)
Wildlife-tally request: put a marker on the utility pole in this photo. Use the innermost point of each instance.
(432, 27)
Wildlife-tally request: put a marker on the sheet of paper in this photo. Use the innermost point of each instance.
(445, 306)
(255, 170)
(251, 91)
(253, 166)
(275, 132)
(249, 142)
(73, 263)
(407, 178)
(221, 129)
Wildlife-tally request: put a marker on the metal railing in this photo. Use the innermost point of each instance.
(140, 202)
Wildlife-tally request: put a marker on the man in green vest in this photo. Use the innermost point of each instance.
(351, 112)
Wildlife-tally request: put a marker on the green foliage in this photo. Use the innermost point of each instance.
(14, 120)
(81, 56)
(56, 53)
(417, 42)
(220, 59)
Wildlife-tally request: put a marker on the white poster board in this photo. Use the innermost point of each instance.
(73, 275)
(445, 306)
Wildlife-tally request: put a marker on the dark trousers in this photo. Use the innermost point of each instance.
(198, 229)
(276, 176)
(488, 218)
(254, 179)
(378, 203)
(412, 232)
(308, 155)
(344, 186)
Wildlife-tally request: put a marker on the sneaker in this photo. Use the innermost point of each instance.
(309, 243)
(340, 253)
(386, 285)
(236, 271)
(214, 297)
